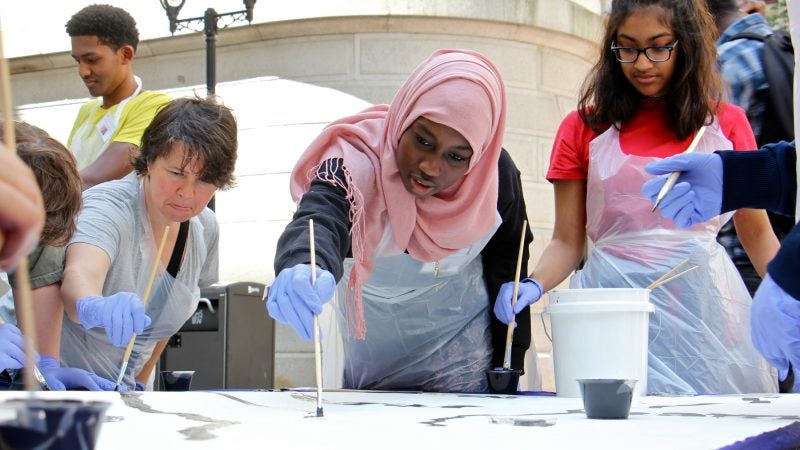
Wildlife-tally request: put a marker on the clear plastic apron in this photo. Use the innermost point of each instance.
(427, 323)
(700, 332)
(91, 140)
(171, 303)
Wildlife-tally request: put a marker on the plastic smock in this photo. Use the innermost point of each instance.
(92, 139)
(700, 331)
(114, 219)
(427, 323)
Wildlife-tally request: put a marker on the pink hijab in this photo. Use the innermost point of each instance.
(461, 89)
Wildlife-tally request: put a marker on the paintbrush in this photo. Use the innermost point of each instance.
(22, 277)
(668, 279)
(510, 332)
(666, 275)
(145, 297)
(317, 338)
(673, 177)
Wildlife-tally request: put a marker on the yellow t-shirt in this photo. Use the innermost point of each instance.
(135, 116)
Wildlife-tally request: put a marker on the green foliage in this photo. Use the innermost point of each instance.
(777, 15)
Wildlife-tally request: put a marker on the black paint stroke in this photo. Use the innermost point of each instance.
(681, 406)
(442, 421)
(200, 433)
(240, 400)
(306, 397)
(755, 400)
(522, 422)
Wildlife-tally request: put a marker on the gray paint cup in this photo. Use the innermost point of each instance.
(605, 398)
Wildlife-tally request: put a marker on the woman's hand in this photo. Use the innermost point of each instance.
(121, 315)
(530, 291)
(293, 300)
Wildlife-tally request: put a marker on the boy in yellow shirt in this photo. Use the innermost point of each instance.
(108, 129)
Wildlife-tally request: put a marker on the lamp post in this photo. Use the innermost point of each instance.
(210, 26)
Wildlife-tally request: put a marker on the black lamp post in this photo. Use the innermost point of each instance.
(210, 26)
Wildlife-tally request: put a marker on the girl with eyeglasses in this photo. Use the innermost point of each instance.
(655, 85)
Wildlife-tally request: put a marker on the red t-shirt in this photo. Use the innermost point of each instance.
(646, 134)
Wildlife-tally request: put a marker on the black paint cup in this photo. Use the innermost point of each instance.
(503, 381)
(52, 424)
(607, 398)
(177, 380)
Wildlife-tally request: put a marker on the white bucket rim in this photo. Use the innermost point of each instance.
(590, 290)
(599, 306)
(626, 295)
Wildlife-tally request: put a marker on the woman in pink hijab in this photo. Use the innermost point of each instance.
(417, 215)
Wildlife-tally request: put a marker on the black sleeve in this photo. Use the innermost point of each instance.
(783, 268)
(327, 204)
(764, 179)
(500, 262)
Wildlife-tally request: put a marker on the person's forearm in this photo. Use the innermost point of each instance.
(85, 270)
(557, 262)
(113, 164)
(327, 204)
(74, 286)
(757, 237)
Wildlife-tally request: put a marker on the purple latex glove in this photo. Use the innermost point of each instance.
(697, 196)
(530, 291)
(121, 315)
(292, 299)
(12, 347)
(139, 386)
(61, 378)
(775, 328)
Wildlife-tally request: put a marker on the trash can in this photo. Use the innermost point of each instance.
(229, 341)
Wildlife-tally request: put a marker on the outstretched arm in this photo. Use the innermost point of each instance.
(113, 164)
(565, 251)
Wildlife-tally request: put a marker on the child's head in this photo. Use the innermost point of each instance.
(57, 174)
(684, 70)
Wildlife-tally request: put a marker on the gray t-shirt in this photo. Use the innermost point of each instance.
(114, 219)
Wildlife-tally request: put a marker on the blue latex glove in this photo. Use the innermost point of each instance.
(697, 196)
(139, 386)
(62, 378)
(775, 327)
(121, 315)
(292, 299)
(530, 291)
(12, 347)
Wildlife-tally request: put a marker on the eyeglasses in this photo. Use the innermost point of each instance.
(659, 53)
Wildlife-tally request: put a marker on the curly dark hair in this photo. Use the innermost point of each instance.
(695, 91)
(57, 174)
(206, 129)
(113, 26)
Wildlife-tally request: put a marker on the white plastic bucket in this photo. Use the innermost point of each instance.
(599, 333)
